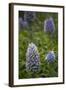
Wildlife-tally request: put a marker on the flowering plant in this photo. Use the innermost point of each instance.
(49, 25)
(32, 58)
(50, 57)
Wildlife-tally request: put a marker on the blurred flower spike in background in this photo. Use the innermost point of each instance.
(32, 58)
(29, 16)
(22, 23)
(50, 57)
(49, 25)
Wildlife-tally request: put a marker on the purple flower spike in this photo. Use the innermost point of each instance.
(29, 16)
(50, 56)
(32, 58)
(22, 23)
(49, 25)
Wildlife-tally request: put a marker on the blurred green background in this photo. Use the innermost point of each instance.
(35, 33)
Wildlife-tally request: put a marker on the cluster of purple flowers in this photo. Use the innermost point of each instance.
(50, 57)
(29, 16)
(22, 23)
(26, 19)
(32, 58)
(49, 25)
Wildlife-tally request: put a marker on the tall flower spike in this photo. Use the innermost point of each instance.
(22, 23)
(32, 58)
(49, 25)
(50, 57)
(29, 16)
